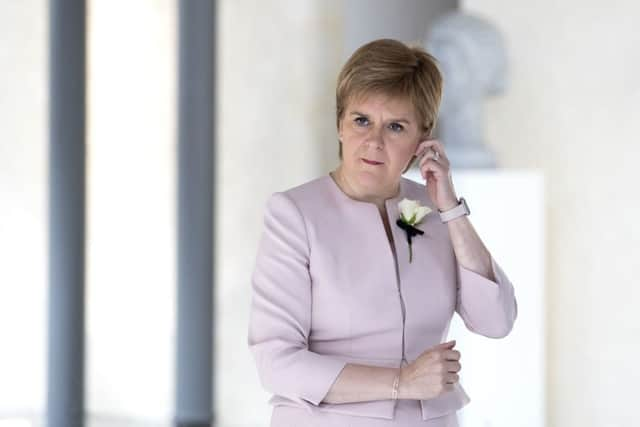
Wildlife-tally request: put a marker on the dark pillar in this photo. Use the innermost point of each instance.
(194, 358)
(65, 370)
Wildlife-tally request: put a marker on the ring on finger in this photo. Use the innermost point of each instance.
(436, 155)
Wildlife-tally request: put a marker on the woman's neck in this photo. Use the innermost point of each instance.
(348, 189)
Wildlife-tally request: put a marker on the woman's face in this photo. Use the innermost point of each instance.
(379, 129)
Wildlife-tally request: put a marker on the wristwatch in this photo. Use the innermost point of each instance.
(453, 213)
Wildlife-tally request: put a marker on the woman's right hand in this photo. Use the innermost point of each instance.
(434, 372)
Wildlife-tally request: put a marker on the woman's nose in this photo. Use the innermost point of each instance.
(376, 138)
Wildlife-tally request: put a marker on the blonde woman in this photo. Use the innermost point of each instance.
(359, 271)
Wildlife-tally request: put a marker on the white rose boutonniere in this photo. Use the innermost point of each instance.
(411, 213)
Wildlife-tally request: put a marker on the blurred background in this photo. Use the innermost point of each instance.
(569, 113)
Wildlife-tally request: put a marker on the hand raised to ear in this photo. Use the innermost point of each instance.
(436, 171)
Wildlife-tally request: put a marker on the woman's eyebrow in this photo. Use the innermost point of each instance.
(357, 113)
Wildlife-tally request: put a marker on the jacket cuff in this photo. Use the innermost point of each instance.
(383, 409)
(322, 371)
(300, 375)
(487, 307)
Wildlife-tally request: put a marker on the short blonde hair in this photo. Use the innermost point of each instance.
(393, 68)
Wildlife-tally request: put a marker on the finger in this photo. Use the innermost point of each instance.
(445, 345)
(426, 149)
(422, 161)
(438, 146)
(430, 165)
(437, 350)
(453, 366)
(451, 378)
(424, 146)
(441, 158)
(428, 154)
(431, 154)
(453, 355)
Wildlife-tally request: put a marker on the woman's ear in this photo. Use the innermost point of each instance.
(427, 131)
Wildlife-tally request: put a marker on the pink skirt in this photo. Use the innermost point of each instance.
(407, 414)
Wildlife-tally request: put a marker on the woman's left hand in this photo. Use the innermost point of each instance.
(437, 174)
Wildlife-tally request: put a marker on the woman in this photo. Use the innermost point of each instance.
(350, 305)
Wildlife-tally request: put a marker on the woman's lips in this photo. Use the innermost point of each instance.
(371, 162)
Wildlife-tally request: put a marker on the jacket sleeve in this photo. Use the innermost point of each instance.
(280, 312)
(487, 307)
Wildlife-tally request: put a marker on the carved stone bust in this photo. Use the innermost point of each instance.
(472, 57)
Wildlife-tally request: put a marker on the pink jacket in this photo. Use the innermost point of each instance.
(325, 293)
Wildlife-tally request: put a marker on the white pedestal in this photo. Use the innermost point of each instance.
(505, 378)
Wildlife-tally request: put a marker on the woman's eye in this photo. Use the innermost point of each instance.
(396, 127)
(361, 121)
